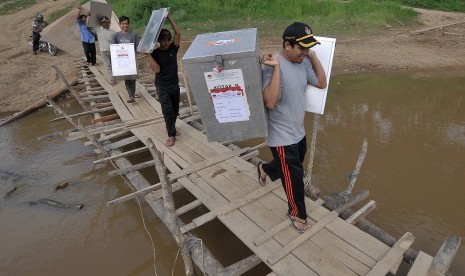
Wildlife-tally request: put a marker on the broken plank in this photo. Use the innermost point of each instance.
(275, 230)
(327, 219)
(365, 210)
(105, 118)
(386, 263)
(224, 210)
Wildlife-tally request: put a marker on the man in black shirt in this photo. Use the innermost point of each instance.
(164, 62)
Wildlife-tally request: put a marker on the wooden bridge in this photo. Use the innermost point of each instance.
(223, 180)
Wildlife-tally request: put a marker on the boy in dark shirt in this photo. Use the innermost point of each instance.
(163, 61)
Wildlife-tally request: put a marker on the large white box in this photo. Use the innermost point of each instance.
(123, 60)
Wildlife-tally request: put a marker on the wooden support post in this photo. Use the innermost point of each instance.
(78, 125)
(343, 196)
(365, 210)
(201, 255)
(308, 177)
(169, 207)
(186, 84)
(385, 264)
(445, 256)
(73, 92)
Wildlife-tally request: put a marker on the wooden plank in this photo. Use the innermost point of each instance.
(174, 176)
(302, 238)
(421, 265)
(397, 250)
(84, 113)
(347, 232)
(188, 207)
(95, 98)
(137, 167)
(395, 265)
(124, 154)
(362, 212)
(121, 143)
(275, 230)
(224, 210)
(105, 118)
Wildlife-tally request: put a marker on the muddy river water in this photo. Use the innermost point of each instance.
(414, 123)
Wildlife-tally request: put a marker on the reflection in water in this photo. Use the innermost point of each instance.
(414, 124)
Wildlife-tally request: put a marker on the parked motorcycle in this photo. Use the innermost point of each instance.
(45, 46)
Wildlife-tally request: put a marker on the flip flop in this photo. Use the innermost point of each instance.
(298, 221)
(261, 180)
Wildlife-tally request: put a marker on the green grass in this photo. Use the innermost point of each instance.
(11, 6)
(325, 16)
(443, 5)
(59, 13)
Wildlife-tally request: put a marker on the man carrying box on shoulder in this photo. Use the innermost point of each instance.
(164, 62)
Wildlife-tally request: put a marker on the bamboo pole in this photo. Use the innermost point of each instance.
(77, 125)
(343, 196)
(169, 207)
(73, 92)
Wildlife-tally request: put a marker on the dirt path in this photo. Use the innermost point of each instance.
(25, 78)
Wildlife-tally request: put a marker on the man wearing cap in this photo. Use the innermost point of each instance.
(105, 35)
(285, 77)
(164, 62)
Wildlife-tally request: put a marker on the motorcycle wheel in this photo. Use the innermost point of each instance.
(52, 49)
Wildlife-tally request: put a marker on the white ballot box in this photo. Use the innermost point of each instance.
(316, 97)
(224, 73)
(152, 30)
(123, 60)
(97, 10)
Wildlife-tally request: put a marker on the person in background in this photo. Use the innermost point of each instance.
(163, 61)
(87, 38)
(126, 36)
(105, 35)
(285, 77)
(37, 27)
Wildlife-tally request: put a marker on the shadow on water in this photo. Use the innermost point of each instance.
(414, 123)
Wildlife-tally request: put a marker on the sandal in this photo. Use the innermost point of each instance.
(299, 224)
(261, 180)
(137, 95)
(170, 141)
(131, 100)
